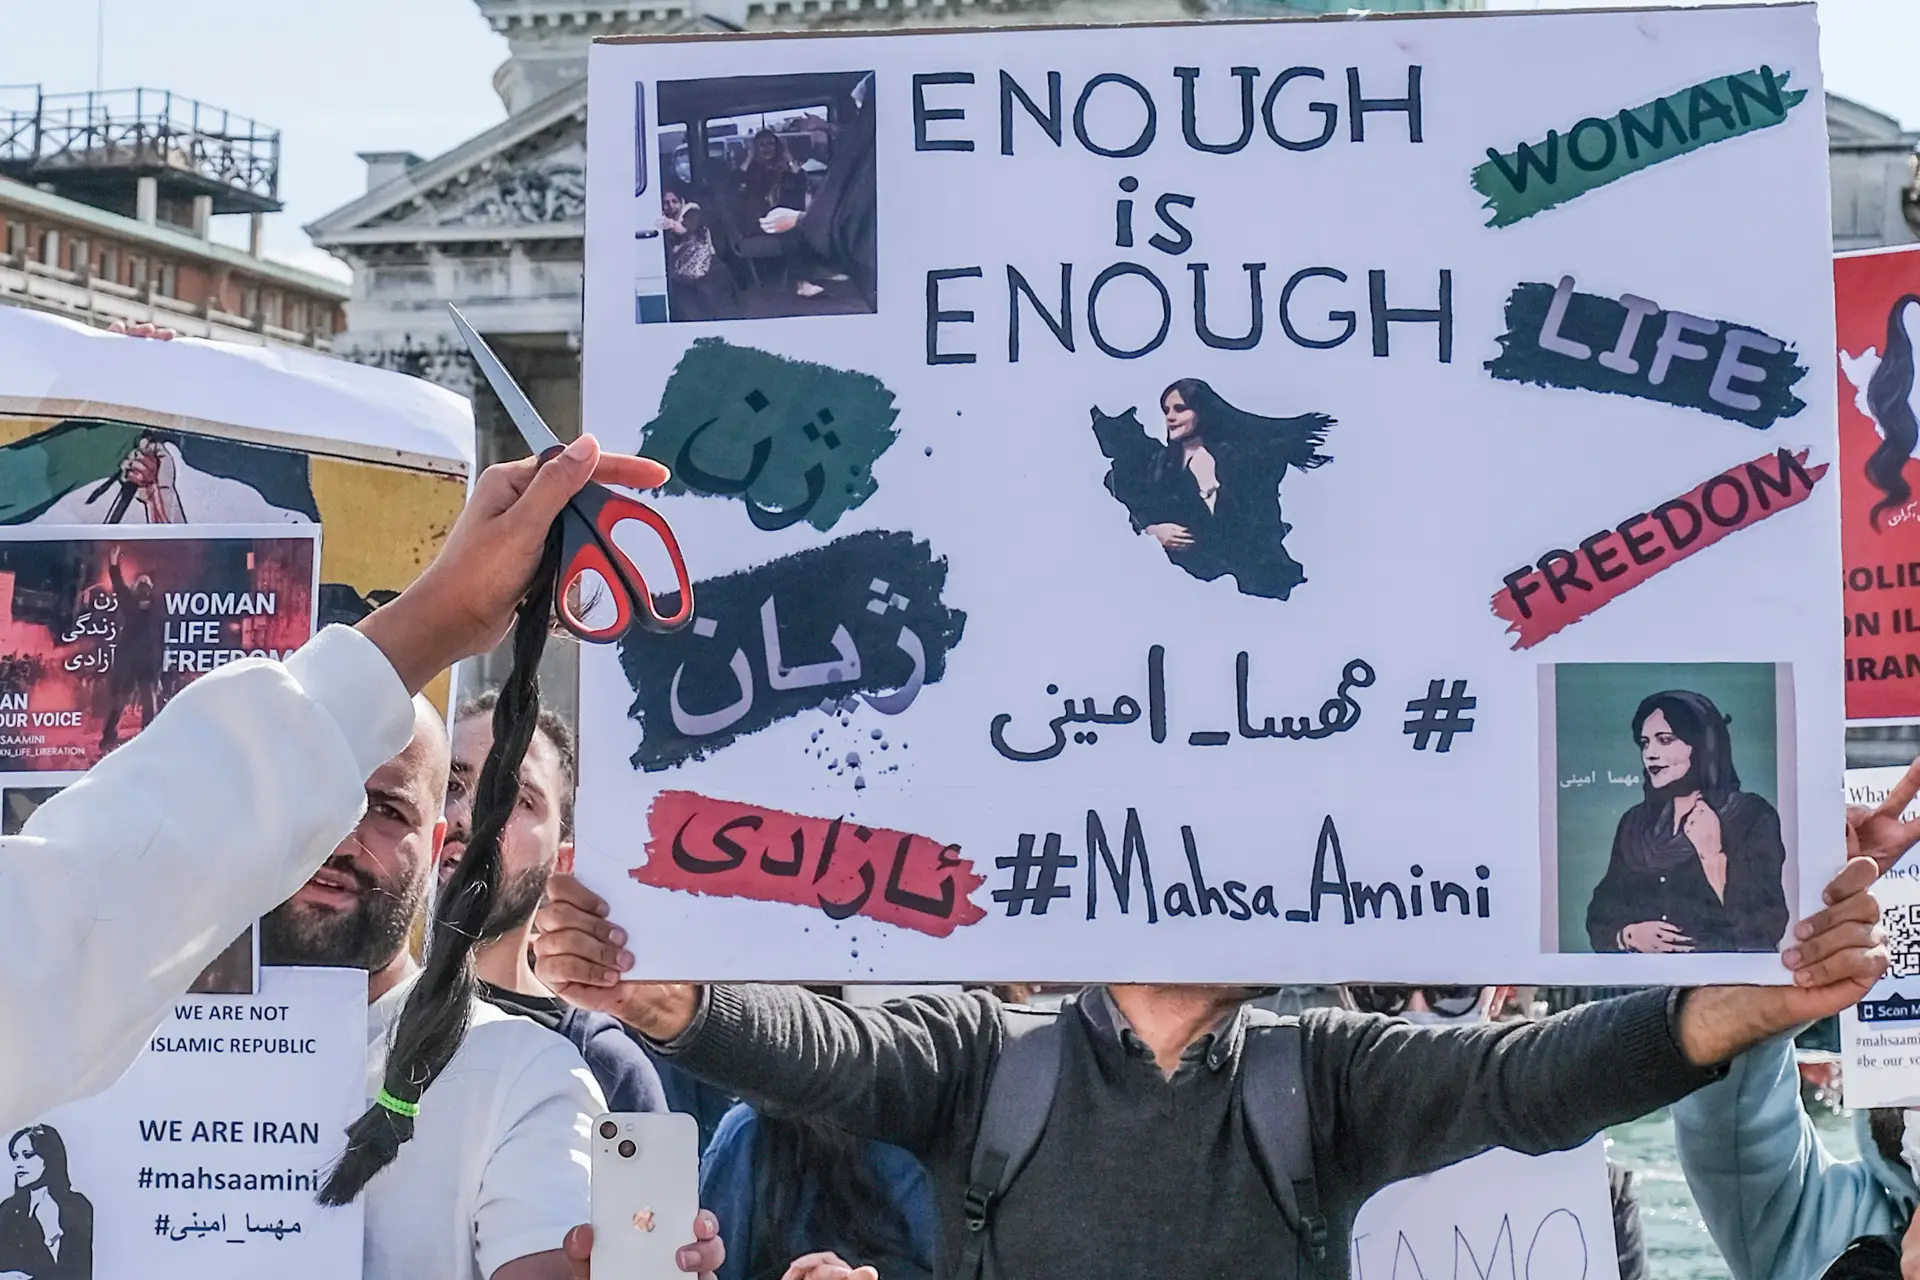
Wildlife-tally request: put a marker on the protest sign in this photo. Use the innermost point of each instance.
(1880, 1036)
(204, 1160)
(99, 628)
(1876, 296)
(103, 430)
(1489, 419)
(1502, 1213)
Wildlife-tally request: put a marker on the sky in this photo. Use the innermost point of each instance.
(339, 77)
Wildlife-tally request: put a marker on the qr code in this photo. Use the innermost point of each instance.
(1902, 924)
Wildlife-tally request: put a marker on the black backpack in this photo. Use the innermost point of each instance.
(1020, 1095)
(1867, 1258)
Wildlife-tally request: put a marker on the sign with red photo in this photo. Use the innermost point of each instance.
(1877, 307)
(99, 628)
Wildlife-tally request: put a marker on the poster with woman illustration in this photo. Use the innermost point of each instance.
(1661, 793)
(46, 1226)
(1876, 296)
(1129, 506)
(1206, 487)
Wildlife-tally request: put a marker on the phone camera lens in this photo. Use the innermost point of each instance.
(608, 1128)
(626, 1149)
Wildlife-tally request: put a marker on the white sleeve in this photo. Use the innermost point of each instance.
(120, 889)
(535, 1187)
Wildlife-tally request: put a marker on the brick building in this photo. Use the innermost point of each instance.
(106, 208)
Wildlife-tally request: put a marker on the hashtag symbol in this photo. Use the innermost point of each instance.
(1023, 865)
(161, 1223)
(1439, 714)
(146, 1177)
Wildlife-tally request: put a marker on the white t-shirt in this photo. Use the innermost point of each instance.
(498, 1166)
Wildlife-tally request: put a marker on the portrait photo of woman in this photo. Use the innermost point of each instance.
(1696, 864)
(46, 1227)
(1210, 494)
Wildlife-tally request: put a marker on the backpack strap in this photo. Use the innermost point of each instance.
(1019, 1096)
(1273, 1097)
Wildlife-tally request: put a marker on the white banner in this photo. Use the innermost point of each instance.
(1550, 1216)
(1305, 501)
(204, 1160)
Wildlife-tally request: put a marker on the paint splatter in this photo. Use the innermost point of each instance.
(1557, 337)
(794, 441)
(1536, 176)
(857, 621)
(697, 844)
(1564, 586)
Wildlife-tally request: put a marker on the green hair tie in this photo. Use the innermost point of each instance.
(399, 1106)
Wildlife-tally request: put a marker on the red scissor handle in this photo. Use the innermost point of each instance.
(586, 543)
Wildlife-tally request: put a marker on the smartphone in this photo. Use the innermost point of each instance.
(646, 1193)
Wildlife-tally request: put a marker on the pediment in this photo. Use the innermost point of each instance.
(527, 171)
(527, 187)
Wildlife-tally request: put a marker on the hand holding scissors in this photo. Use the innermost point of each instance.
(587, 524)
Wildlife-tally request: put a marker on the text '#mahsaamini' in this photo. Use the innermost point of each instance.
(1566, 585)
(698, 844)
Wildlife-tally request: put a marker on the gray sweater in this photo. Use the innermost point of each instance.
(1140, 1175)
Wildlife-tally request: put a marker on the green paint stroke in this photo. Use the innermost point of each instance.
(1602, 149)
(796, 441)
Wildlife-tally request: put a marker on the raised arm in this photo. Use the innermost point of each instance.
(1777, 1205)
(244, 783)
(900, 1073)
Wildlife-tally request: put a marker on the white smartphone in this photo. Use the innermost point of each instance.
(646, 1193)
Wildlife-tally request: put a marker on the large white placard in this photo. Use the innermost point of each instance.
(1502, 1213)
(1505, 426)
(1880, 1036)
(204, 1160)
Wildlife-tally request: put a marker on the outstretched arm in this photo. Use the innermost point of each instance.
(1455, 1092)
(899, 1074)
(1551, 1085)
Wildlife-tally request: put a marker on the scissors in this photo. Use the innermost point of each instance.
(587, 523)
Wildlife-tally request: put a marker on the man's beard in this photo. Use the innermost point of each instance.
(368, 936)
(514, 902)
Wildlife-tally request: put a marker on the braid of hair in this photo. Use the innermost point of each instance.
(434, 1021)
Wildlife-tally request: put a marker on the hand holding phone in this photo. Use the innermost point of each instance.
(646, 1193)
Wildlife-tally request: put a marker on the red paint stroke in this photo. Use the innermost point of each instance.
(701, 845)
(1564, 586)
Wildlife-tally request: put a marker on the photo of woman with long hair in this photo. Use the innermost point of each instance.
(1210, 495)
(1883, 382)
(46, 1227)
(1696, 864)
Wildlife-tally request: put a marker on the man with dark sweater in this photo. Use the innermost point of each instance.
(1145, 1166)
(539, 840)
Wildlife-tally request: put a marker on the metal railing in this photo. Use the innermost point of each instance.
(136, 129)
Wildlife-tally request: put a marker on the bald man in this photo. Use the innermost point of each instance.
(496, 1173)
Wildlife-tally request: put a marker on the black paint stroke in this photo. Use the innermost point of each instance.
(1597, 322)
(814, 591)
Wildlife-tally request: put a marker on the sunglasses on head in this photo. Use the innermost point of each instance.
(1448, 1002)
